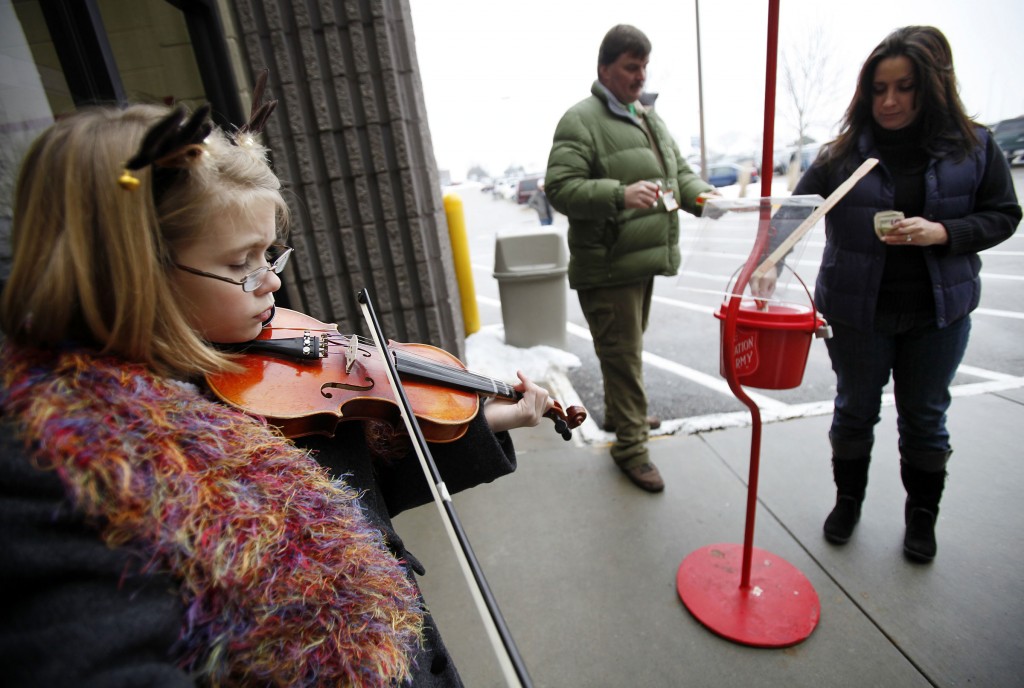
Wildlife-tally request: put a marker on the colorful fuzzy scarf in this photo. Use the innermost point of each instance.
(284, 579)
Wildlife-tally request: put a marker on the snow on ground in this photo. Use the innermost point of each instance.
(488, 354)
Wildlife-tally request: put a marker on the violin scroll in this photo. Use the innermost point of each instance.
(566, 421)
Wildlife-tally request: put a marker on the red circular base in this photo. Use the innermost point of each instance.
(780, 608)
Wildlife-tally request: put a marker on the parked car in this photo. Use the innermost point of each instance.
(780, 160)
(504, 188)
(808, 154)
(526, 186)
(728, 173)
(1009, 134)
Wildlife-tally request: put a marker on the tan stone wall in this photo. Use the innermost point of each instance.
(351, 143)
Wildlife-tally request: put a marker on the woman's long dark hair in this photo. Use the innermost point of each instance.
(945, 126)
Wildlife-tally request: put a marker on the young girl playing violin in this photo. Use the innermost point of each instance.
(152, 535)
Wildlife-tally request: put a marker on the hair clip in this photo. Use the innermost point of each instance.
(171, 139)
(128, 181)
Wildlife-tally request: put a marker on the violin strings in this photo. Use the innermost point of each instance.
(416, 364)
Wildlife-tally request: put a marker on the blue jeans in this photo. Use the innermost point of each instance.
(922, 359)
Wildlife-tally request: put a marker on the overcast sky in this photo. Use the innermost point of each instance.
(497, 76)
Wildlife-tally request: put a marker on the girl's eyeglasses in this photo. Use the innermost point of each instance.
(254, 279)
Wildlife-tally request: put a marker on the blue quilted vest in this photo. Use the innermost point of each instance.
(847, 287)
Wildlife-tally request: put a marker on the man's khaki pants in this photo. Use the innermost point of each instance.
(617, 317)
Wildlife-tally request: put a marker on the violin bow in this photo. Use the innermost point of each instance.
(512, 666)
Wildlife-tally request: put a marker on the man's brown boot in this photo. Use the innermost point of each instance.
(646, 477)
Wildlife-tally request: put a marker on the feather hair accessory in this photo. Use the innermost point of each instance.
(258, 113)
(172, 142)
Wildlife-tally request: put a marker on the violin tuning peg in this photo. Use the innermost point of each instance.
(562, 428)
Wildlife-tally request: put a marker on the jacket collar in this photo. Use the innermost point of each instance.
(618, 109)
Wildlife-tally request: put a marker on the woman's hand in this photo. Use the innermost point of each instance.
(916, 231)
(527, 412)
(764, 287)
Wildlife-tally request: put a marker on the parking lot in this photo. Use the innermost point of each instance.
(682, 344)
(585, 566)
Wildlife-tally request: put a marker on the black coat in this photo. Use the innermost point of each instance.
(70, 615)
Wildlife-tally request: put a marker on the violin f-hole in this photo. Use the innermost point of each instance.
(343, 385)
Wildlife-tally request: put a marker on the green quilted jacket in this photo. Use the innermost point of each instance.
(600, 148)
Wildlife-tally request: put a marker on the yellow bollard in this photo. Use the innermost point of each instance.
(460, 256)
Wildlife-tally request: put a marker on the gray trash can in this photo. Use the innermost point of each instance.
(531, 272)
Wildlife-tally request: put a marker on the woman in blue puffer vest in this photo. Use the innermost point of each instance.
(899, 298)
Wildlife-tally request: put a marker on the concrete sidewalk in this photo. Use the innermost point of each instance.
(583, 564)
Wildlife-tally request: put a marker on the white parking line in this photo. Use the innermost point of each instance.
(999, 314)
(707, 310)
(997, 276)
(987, 374)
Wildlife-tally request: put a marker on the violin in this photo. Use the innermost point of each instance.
(305, 377)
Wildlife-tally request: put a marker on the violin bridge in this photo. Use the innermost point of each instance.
(350, 353)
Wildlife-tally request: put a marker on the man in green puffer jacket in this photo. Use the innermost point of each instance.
(618, 175)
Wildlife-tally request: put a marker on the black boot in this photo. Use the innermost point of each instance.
(924, 491)
(851, 476)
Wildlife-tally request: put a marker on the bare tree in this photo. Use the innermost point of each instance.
(477, 173)
(809, 81)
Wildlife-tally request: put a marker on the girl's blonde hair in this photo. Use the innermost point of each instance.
(92, 260)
